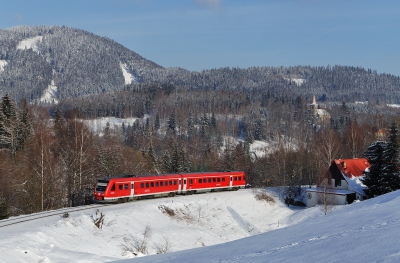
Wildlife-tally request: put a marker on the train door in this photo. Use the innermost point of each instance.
(190, 184)
(132, 189)
(230, 181)
(180, 186)
(184, 184)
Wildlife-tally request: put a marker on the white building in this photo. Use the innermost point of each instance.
(341, 184)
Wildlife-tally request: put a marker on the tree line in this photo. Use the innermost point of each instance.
(51, 158)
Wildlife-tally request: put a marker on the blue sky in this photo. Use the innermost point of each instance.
(205, 34)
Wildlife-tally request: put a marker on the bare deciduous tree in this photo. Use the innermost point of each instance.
(141, 244)
(163, 247)
(327, 197)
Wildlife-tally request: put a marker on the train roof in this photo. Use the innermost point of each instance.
(154, 176)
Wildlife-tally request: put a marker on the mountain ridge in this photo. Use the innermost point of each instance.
(78, 63)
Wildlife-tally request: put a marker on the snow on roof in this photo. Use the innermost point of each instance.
(356, 184)
(353, 171)
(322, 112)
(330, 191)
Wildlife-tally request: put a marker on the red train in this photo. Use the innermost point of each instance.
(130, 187)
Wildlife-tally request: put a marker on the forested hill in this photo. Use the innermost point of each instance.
(327, 83)
(80, 63)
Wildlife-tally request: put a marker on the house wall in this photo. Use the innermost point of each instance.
(340, 199)
(359, 197)
(331, 199)
(343, 185)
(311, 199)
(314, 198)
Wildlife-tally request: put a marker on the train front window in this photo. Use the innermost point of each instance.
(101, 185)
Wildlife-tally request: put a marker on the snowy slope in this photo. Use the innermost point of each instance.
(30, 43)
(98, 125)
(3, 63)
(50, 94)
(199, 220)
(362, 232)
(128, 74)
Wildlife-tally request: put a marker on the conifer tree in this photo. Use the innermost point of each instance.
(213, 122)
(9, 126)
(372, 177)
(190, 123)
(58, 122)
(390, 158)
(171, 121)
(25, 125)
(157, 122)
(3, 209)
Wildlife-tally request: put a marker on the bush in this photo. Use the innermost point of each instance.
(299, 203)
(99, 219)
(167, 210)
(3, 209)
(263, 196)
(65, 215)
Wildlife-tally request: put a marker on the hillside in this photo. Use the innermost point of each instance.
(78, 62)
(73, 63)
(191, 221)
(360, 232)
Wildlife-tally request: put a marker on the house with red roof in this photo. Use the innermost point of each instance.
(341, 183)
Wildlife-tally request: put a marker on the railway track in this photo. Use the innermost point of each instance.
(31, 217)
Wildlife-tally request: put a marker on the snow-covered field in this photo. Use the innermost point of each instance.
(98, 125)
(365, 231)
(197, 221)
(361, 232)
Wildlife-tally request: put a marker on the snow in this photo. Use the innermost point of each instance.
(394, 105)
(128, 74)
(330, 191)
(258, 148)
(98, 125)
(50, 94)
(297, 81)
(212, 227)
(30, 43)
(361, 232)
(3, 63)
(356, 184)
